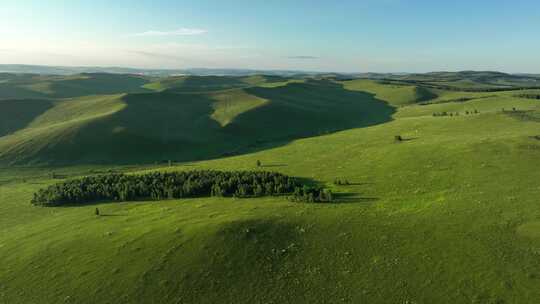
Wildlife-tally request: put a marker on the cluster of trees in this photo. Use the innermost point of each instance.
(479, 89)
(158, 186)
(308, 194)
(455, 114)
(530, 96)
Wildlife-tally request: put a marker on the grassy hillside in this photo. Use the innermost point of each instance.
(394, 94)
(180, 84)
(448, 215)
(24, 86)
(155, 127)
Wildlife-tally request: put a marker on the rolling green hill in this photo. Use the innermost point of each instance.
(449, 214)
(180, 84)
(155, 127)
(23, 86)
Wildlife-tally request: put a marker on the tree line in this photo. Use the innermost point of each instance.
(438, 114)
(427, 84)
(530, 96)
(175, 185)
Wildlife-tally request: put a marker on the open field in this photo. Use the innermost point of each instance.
(450, 214)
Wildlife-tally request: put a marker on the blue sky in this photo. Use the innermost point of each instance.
(347, 35)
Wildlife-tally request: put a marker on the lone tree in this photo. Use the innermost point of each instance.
(398, 138)
(259, 163)
(96, 212)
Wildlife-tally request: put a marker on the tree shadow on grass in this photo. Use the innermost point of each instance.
(273, 165)
(409, 139)
(356, 184)
(352, 197)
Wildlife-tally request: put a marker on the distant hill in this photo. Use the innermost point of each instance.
(468, 80)
(21, 86)
(180, 123)
(64, 70)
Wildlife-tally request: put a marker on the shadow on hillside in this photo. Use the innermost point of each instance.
(158, 127)
(18, 114)
(188, 84)
(97, 84)
(273, 165)
(308, 109)
(410, 139)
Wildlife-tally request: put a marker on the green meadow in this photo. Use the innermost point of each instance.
(448, 214)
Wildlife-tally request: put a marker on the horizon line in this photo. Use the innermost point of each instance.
(253, 69)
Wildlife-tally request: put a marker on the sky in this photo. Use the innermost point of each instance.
(315, 35)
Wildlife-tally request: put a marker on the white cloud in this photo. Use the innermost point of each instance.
(178, 32)
(303, 57)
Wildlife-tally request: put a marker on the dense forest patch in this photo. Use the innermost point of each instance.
(175, 185)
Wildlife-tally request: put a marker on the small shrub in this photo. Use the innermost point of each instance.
(398, 138)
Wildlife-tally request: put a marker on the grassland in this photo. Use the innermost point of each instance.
(449, 215)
